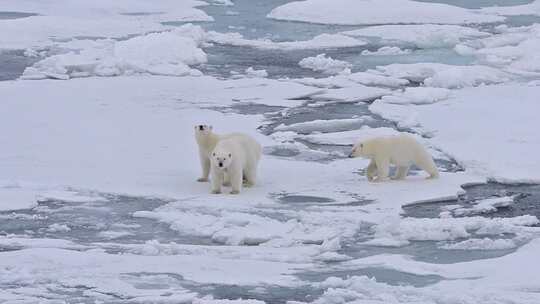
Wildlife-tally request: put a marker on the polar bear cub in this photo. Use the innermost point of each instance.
(401, 150)
(236, 158)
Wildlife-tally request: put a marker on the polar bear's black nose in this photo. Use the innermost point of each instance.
(201, 127)
(220, 164)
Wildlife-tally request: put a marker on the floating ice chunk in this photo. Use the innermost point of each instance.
(402, 230)
(446, 76)
(165, 53)
(418, 96)
(58, 228)
(371, 79)
(386, 51)
(481, 244)
(348, 80)
(421, 36)
(251, 72)
(330, 125)
(352, 12)
(357, 93)
(322, 41)
(222, 2)
(112, 234)
(324, 64)
(485, 206)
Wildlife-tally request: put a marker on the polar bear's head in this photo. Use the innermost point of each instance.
(221, 159)
(203, 129)
(358, 150)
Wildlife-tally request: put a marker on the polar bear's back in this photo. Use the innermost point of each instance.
(244, 146)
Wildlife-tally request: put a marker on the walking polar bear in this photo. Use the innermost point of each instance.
(241, 165)
(401, 150)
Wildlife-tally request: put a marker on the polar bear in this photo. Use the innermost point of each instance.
(402, 150)
(237, 157)
(206, 140)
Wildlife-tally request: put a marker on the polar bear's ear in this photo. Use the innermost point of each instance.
(210, 128)
(230, 155)
(214, 154)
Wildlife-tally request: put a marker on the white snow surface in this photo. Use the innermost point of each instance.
(355, 12)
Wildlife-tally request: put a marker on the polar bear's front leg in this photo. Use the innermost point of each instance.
(217, 180)
(235, 177)
(371, 170)
(205, 165)
(226, 180)
(383, 168)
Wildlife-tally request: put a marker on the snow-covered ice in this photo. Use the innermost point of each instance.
(99, 201)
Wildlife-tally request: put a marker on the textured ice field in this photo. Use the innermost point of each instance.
(98, 165)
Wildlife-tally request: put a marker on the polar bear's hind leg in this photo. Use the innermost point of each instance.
(250, 176)
(429, 166)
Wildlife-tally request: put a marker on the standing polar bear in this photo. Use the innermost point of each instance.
(401, 150)
(235, 157)
(207, 141)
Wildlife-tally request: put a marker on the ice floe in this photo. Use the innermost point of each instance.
(421, 36)
(354, 12)
(165, 53)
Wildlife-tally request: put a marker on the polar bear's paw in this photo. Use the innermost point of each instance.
(202, 179)
(235, 192)
(216, 191)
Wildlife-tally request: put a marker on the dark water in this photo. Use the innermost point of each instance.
(526, 201)
(94, 222)
(13, 63)
(14, 15)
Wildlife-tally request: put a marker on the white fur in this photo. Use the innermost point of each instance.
(400, 150)
(207, 140)
(239, 155)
